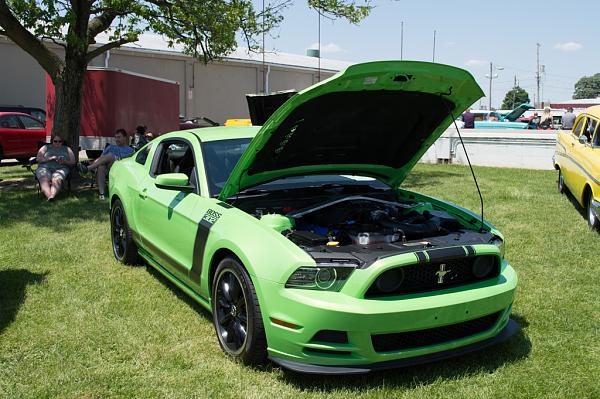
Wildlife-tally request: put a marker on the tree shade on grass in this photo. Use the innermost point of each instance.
(74, 323)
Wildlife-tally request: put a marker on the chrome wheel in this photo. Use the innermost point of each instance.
(561, 182)
(592, 219)
(231, 312)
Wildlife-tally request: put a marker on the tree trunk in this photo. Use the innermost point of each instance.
(68, 87)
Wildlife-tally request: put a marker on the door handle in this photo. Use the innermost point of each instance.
(143, 194)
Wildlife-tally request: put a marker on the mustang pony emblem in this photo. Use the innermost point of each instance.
(441, 273)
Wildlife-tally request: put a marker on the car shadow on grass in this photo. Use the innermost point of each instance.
(179, 293)
(13, 287)
(484, 361)
(416, 179)
(581, 210)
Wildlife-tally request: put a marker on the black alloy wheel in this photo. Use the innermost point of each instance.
(561, 182)
(124, 248)
(592, 219)
(236, 314)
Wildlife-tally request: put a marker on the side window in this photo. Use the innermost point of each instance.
(577, 127)
(142, 156)
(591, 128)
(30, 123)
(9, 122)
(175, 156)
(39, 115)
(596, 142)
(588, 128)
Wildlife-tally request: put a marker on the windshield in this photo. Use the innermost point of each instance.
(219, 159)
(221, 156)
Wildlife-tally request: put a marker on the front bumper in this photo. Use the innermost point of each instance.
(359, 318)
(511, 329)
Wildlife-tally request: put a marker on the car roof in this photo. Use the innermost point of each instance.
(222, 132)
(594, 111)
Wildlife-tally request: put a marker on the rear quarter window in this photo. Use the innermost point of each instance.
(142, 155)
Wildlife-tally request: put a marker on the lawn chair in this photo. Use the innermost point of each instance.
(32, 166)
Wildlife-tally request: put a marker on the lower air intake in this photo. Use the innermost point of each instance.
(432, 336)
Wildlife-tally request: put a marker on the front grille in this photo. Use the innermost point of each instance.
(423, 277)
(432, 336)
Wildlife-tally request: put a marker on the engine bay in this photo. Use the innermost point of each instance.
(361, 229)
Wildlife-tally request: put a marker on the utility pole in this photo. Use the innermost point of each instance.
(537, 73)
(319, 48)
(492, 76)
(514, 92)
(401, 40)
(433, 58)
(264, 73)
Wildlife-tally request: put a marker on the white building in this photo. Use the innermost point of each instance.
(216, 90)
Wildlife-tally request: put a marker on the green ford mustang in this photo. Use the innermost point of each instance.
(298, 238)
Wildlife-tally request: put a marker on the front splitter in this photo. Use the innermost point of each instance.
(511, 328)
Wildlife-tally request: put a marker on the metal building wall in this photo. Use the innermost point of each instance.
(22, 80)
(216, 90)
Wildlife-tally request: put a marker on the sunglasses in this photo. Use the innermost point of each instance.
(57, 141)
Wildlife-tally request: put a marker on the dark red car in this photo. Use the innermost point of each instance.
(20, 135)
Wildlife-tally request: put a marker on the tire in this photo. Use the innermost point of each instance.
(236, 314)
(124, 248)
(592, 219)
(561, 183)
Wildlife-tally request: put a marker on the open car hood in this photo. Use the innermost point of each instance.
(375, 119)
(513, 115)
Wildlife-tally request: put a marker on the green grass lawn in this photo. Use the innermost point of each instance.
(74, 323)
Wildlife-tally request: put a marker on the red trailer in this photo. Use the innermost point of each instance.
(113, 99)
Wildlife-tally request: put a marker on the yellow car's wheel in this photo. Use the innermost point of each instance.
(561, 183)
(592, 219)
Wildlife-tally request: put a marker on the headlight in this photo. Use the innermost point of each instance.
(497, 241)
(324, 278)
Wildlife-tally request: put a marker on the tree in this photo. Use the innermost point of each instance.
(515, 97)
(587, 87)
(207, 30)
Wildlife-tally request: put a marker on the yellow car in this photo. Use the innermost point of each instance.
(577, 159)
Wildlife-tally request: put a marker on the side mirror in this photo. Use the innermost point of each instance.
(174, 181)
(583, 139)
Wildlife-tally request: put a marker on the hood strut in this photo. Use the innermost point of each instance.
(468, 160)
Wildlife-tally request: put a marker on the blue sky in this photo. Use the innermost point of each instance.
(469, 35)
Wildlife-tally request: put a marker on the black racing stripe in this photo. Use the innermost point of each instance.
(421, 256)
(224, 205)
(443, 253)
(154, 252)
(470, 250)
(199, 248)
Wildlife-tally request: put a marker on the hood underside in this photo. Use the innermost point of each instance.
(375, 119)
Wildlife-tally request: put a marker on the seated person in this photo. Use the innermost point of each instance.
(54, 160)
(111, 153)
(139, 138)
